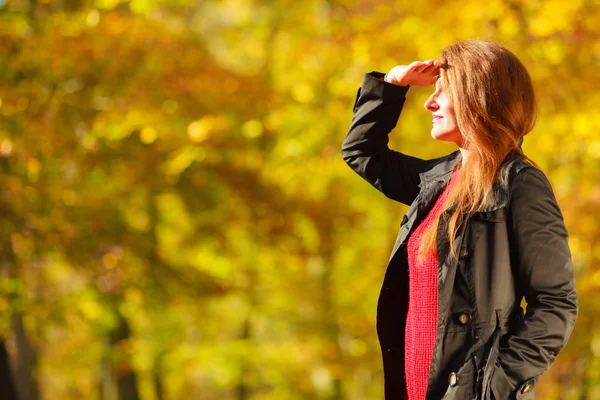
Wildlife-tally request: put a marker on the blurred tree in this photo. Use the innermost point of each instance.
(175, 205)
(6, 380)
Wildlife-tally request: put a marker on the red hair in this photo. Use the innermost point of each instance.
(494, 101)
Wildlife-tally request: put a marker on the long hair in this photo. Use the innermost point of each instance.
(495, 106)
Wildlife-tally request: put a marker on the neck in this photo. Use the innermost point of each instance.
(465, 156)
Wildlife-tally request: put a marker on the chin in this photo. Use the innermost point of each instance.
(452, 137)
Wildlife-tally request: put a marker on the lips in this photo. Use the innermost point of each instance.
(436, 118)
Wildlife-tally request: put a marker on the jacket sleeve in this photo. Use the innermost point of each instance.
(365, 149)
(545, 271)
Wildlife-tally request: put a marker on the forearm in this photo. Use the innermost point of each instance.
(365, 149)
(376, 111)
(543, 263)
(531, 350)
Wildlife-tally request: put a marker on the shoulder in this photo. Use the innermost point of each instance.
(532, 196)
(519, 174)
(529, 179)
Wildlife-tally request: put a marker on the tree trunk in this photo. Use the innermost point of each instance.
(243, 390)
(157, 376)
(106, 384)
(126, 379)
(23, 361)
(6, 380)
(585, 381)
(117, 379)
(18, 357)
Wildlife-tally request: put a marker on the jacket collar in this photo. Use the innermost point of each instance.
(436, 178)
(441, 170)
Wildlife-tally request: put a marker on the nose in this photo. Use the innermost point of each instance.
(431, 104)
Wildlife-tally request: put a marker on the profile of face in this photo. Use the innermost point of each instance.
(444, 123)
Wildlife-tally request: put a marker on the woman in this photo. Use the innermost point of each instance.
(483, 231)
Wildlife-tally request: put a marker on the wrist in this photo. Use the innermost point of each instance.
(387, 79)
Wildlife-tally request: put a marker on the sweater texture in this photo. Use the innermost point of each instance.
(422, 316)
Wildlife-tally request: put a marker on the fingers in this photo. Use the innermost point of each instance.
(419, 73)
(414, 65)
(430, 66)
(427, 66)
(422, 66)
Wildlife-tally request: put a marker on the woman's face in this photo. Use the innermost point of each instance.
(443, 117)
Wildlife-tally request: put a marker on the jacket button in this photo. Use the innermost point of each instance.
(453, 379)
(464, 318)
(463, 253)
(526, 388)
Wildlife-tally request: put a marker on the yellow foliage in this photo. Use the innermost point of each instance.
(302, 92)
(109, 260)
(200, 130)
(234, 183)
(252, 129)
(148, 135)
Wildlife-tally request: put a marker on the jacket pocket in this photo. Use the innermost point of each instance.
(496, 384)
(502, 388)
(492, 358)
(461, 384)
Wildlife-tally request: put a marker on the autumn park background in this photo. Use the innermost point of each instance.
(176, 218)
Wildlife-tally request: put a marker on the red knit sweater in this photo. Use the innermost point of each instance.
(421, 320)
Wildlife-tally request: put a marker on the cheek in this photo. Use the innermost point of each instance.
(450, 112)
(451, 117)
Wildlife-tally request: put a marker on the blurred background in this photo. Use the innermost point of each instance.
(176, 218)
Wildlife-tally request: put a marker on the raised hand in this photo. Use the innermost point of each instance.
(418, 73)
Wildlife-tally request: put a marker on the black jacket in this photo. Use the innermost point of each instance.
(515, 247)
